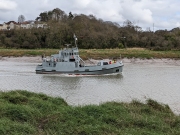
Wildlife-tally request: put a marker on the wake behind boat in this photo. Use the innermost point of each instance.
(68, 61)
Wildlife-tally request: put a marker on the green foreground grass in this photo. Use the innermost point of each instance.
(96, 53)
(23, 112)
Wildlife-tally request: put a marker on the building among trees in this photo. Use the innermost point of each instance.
(23, 25)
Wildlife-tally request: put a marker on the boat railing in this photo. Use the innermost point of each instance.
(91, 61)
(81, 60)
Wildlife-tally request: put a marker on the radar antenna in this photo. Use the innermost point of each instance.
(67, 45)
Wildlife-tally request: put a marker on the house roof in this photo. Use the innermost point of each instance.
(25, 22)
(11, 22)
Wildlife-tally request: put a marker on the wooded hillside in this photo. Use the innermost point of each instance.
(91, 33)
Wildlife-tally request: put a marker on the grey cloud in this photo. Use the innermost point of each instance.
(145, 12)
(7, 5)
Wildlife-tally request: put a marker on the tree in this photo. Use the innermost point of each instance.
(2, 38)
(44, 16)
(58, 14)
(21, 19)
(70, 15)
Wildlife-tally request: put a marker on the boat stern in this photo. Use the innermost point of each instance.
(39, 68)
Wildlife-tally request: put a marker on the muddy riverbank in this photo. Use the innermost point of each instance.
(38, 59)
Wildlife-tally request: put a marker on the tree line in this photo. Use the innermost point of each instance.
(91, 33)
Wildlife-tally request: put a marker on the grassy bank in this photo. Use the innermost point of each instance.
(23, 112)
(96, 53)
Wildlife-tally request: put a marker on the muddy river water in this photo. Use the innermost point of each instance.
(158, 79)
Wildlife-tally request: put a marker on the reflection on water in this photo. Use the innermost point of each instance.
(80, 90)
(138, 81)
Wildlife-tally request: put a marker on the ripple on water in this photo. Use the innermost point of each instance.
(138, 81)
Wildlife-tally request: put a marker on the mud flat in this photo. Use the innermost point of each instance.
(38, 59)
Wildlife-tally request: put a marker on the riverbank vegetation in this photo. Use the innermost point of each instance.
(23, 112)
(92, 33)
(96, 53)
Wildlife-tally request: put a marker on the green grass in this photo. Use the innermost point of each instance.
(26, 52)
(97, 53)
(23, 112)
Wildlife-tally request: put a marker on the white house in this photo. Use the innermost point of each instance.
(25, 25)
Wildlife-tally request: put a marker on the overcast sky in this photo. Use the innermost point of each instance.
(162, 14)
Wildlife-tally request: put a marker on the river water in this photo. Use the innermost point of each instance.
(140, 80)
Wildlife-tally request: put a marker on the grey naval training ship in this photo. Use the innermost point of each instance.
(68, 61)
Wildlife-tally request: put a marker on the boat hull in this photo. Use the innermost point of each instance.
(87, 70)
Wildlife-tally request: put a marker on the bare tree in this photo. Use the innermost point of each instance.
(21, 18)
(58, 14)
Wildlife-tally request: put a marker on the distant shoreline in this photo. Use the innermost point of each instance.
(85, 54)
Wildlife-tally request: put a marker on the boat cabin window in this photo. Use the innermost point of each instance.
(71, 60)
(66, 54)
(105, 63)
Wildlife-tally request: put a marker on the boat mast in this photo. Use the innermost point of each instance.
(75, 38)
